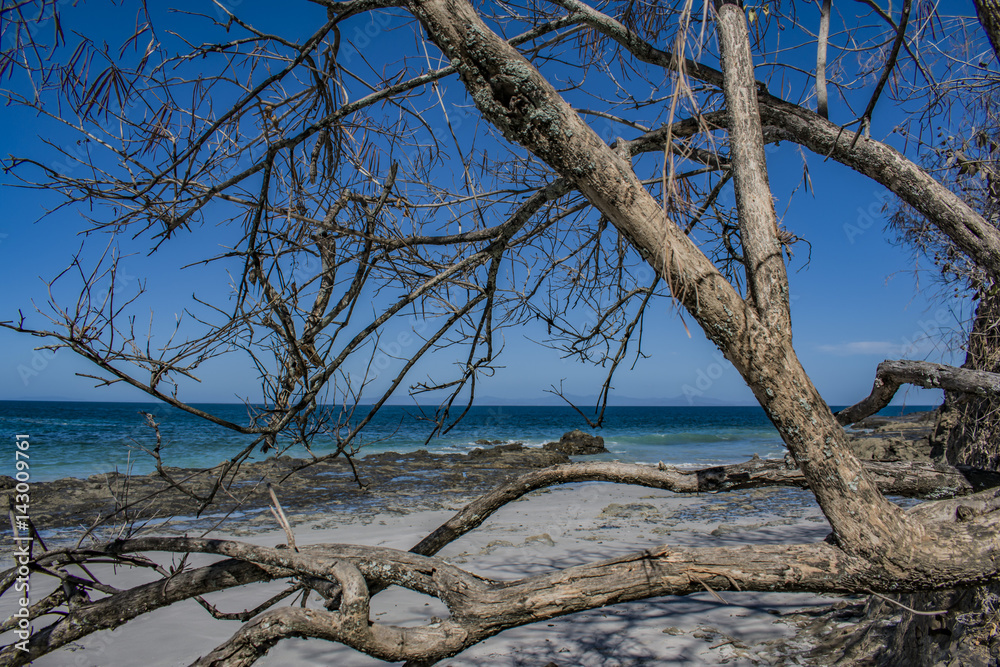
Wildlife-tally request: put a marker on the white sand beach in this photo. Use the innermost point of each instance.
(551, 529)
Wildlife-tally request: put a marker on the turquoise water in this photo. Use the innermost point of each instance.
(81, 439)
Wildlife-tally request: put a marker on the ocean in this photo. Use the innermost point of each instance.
(79, 439)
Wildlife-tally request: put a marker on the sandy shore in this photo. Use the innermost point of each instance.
(410, 495)
(550, 529)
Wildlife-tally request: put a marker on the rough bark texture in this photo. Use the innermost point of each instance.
(767, 279)
(822, 98)
(892, 636)
(988, 12)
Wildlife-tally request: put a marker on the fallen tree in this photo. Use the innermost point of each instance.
(304, 187)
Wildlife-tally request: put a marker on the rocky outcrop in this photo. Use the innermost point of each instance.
(410, 480)
(516, 455)
(577, 443)
(903, 438)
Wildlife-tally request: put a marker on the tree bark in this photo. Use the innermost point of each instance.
(512, 95)
(765, 266)
(975, 423)
(822, 99)
(988, 12)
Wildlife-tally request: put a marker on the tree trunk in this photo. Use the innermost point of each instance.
(989, 15)
(970, 424)
(754, 334)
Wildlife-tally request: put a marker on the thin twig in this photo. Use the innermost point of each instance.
(909, 609)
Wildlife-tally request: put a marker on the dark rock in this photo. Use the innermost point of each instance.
(484, 441)
(387, 480)
(384, 457)
(496, 452)
(902, 438)
(516, 455)
(885, 447)
(578, 443)
(898, 421)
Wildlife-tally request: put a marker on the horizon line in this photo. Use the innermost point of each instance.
(507, 405)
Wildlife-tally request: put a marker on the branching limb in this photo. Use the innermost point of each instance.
(905, 479)
(890, 375)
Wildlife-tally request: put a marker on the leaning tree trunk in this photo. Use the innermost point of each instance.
(970, 425)
(755, 332)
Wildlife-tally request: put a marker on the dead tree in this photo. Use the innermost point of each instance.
(305, 169)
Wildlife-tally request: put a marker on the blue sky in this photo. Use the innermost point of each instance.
(857, 302)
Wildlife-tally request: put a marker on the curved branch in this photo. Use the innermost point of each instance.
(877, 160)
(905, 479)
(115, 610)
(890, 375)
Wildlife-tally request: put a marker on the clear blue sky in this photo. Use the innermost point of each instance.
(856, 303)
